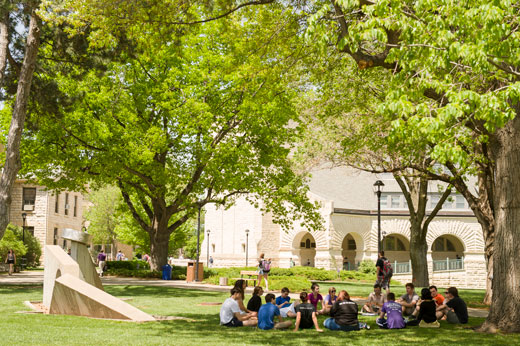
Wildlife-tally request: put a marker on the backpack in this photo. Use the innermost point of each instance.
(388, 271)
(266, 265)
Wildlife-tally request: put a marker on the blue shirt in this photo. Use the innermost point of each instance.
(281, 300)
(394, 315)
(266, 316)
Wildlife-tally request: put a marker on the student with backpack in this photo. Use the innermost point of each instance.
(384, 271)
(264, 267)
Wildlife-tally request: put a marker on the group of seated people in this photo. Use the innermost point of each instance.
(343, 312)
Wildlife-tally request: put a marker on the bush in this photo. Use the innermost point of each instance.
(31, 249)
(130, 265)
(367, 267)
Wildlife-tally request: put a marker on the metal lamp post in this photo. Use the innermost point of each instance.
(198, 246)
(207, 239)
(378, 186)
(247, 244)
(24, 218)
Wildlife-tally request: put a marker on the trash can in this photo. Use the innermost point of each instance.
(166, 272)
(190, 271)
(223, 281)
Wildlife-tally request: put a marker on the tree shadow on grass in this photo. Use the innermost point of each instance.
(205, 329)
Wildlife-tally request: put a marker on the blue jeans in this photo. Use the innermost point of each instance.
(331, 324)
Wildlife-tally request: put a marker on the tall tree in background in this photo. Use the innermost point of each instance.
(343, 128)
(21, 69)
(456, 85)
(183, 117)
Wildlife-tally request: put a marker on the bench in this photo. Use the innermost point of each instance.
(248, 273)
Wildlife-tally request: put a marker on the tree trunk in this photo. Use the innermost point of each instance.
(159, 239)
(4, 43)
(418, 253)
(12, 150)
(504, 313)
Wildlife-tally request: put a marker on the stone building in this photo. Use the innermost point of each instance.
(46, 213)
(349, 235)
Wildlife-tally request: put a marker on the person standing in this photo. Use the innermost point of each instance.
(119, 256)
(383, 274)
(11, 260)
(264, 267)
(211, 261)
(102, 257)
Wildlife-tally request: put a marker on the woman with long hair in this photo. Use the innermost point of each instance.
(264, 267)
(11, 260)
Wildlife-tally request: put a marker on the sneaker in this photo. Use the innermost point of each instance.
(367, 327)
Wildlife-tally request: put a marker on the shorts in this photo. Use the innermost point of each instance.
(260, 272)
(452, 317)
(10, 261)
(235, 322)
(384, 282)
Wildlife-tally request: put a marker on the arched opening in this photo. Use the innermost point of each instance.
(304, 249)
(397, 248)
(447, 247)
(349, 249)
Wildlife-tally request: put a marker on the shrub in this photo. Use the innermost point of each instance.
(367, 267)
(130, 265)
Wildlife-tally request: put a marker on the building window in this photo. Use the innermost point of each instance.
(55, 238)
(396, 201)
(213, 248)
(384, 201)
(28, 198)
(392, 243)
(443, 244)
(57, 204)
(434, 199)
(460, 202)
(308, 244)
(351, 244)
(30, 230)
(75, 205)
(243, 247)
(66, 204)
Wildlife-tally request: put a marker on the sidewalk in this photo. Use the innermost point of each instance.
(36, 278)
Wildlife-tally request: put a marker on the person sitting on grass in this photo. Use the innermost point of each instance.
(306, 314)
(455, 309)
(409, 300)
(315, 297)
(240, 285)
(254, 304)
(284, 304)
(267, 313)
(425, 311)
(344, 315)
(375, 300)
(329, 301)
(394, 314)
(230, 314)
(439, 299)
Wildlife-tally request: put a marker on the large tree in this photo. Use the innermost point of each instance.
(17, 65)
(343, 128)
(202, 115)
(455, 84)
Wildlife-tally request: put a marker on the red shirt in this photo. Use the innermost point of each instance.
(439, 299)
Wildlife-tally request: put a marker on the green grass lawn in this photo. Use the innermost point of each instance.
(200, 328)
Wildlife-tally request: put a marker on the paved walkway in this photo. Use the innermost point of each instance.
(36, 278)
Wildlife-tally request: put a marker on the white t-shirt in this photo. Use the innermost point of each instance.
(228, 309)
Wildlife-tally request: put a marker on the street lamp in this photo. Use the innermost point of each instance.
(247, 244)
(207, 239)
(198, 246)
(24, 218)
(378, 186)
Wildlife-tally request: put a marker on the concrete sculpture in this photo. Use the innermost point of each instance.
(72, 287)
